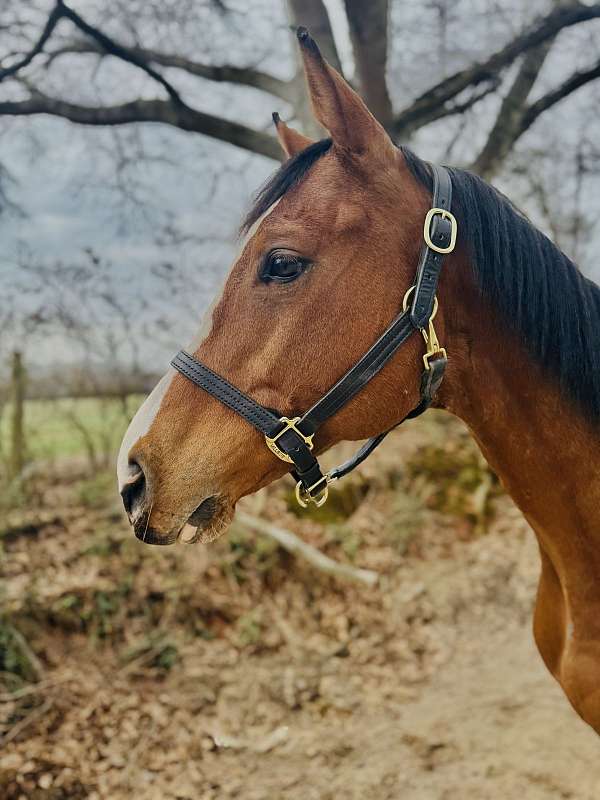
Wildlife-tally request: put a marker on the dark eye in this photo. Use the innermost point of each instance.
(282, 267)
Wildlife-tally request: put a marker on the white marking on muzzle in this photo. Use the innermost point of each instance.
(140, 425)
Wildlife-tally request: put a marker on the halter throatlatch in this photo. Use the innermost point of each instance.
(291, 438)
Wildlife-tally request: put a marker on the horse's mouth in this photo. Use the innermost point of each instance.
(210, 519)
(207, 522)
(148, 535)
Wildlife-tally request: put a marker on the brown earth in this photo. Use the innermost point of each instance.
(238, 671)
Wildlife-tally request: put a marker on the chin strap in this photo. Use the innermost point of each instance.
(291, 438)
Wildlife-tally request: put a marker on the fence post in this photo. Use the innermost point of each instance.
(17, 419)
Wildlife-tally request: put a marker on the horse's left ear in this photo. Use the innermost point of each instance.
(339, 108)
(291, 141)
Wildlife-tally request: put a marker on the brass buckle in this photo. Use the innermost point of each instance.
(290, 424)
(433, 212)
(304, 496)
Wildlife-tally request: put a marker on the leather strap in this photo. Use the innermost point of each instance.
(259, 416)
(360, 374)
(306, 466)
(361, 455)
(430, 261)
(441, 230)
(431, 380)
(430, 383)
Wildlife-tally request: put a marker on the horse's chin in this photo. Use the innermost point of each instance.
(208, 531)
(208, 522)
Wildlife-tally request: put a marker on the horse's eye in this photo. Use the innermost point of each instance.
(282, 267)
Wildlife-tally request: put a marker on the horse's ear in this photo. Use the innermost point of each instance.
(338, 107)
(290, 140)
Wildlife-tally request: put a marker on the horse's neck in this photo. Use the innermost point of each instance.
(538, 443)
(546, 454)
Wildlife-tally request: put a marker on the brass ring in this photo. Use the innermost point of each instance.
(304, 498)
(408, 294)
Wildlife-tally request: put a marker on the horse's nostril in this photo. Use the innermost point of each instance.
(134, 489)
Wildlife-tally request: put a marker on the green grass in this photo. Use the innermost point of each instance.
(58, 428)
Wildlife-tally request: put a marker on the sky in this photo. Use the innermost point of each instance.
(155, 198)
(64, 180)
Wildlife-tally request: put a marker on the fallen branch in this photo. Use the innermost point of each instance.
(20, 726)
(25, 648)
(293, 544)
(33, 688)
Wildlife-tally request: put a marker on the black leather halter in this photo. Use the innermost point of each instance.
(291, 439)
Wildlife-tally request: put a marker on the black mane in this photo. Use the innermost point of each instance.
(534, 286)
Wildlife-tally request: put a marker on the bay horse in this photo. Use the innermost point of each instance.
(330, 252)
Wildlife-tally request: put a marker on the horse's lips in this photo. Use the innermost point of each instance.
(198, 520)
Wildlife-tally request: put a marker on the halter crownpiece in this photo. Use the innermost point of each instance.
(291, 439)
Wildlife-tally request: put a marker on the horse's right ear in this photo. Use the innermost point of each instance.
(290, 140)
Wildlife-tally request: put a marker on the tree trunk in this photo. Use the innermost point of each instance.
(509, 122)
(368, 24)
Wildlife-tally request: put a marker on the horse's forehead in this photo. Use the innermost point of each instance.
(327, 198)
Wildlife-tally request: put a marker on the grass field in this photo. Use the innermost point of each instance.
(71, 426)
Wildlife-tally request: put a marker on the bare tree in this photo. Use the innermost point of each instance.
(511, 72)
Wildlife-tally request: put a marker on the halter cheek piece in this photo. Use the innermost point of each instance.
(291, 439)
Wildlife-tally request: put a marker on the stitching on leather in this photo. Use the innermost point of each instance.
(224, 391)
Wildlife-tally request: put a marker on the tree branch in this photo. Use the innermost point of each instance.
(162, 111)
(105, 43)
(51, 23)
(293, 544)
(175, 112)
(368, 30)
(244, 76)
(115, 49)
(455, 107)
(508, 121)
(432, 104)
(576, 81)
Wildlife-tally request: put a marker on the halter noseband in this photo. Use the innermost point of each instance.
(291, 439)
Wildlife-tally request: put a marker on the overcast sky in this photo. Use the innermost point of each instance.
(66, 181)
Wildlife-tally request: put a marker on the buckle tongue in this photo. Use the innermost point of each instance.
(289, 424)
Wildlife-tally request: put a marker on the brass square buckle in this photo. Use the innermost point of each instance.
(304, 496)
(441, 212)
(290, 424)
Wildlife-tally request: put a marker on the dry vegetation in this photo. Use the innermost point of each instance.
(240, 671)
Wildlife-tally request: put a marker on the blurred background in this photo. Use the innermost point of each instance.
(379, 647)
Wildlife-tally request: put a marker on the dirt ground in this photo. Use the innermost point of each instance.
(238, 671)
